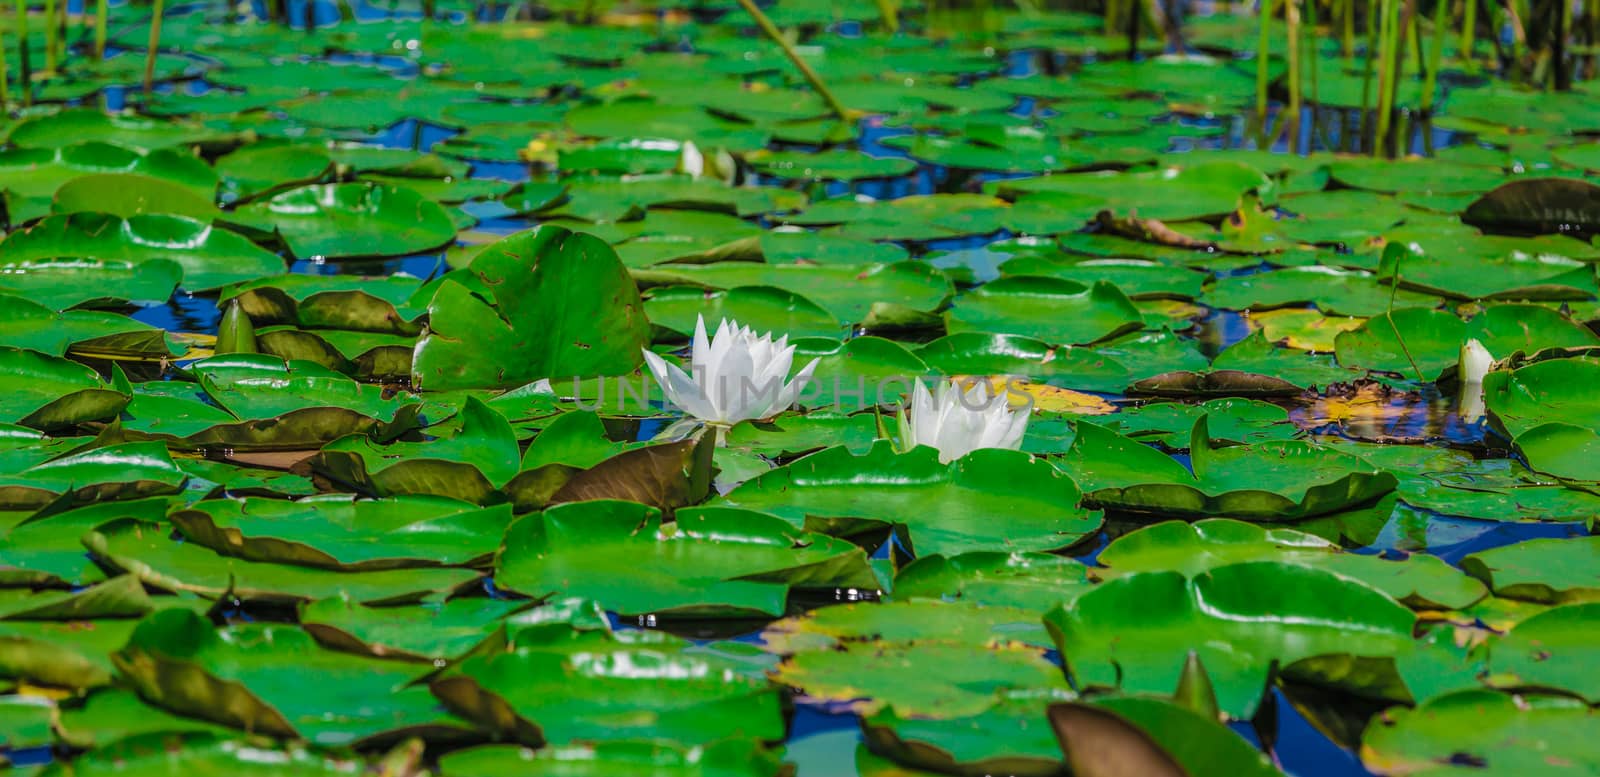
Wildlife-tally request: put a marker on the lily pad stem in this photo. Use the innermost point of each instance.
(771, 31)
(100, 13)
(155, 45)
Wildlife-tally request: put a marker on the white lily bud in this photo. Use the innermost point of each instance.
(691, 161)
(1475, 361)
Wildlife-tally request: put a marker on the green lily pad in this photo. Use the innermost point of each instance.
(560, 684)
(71, 127)
(130, 194)
(40, 172)
(333, 531)
(48, 392)
(128, 471)
(533, 275)
(89, 283)
(1011, 737)
(1418, 581)
(119, 597)
(1056, 311)
(1433, 338)
(828, 165)
(1273, 480)
(936, 508)
(114, 714)
(1539, 570)
(351, 219)
(1191, 741)
(977, 353)
(1032, 581)
(252, 677)
(145, 550)
(716, 562)
(727, 758)
(471, 464)
(762, 308)
(1492, 731)
(851, 293)
(877, 675)
(260, 170)
(1132, 633)
(332, 302)
(425, 634)
(210, 256)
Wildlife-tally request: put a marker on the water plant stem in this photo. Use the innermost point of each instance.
(1394, 288)
(154, 46)
(1263, 62)
(50, 34)
(772, 32)
(1388, 45)
(24, 67)
(1469, 32)
(5, 77)
(101, 12)
(889, 15)
(1291, 17)
(1430, 82)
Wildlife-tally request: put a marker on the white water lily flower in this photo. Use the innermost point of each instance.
(1475, 362)
(691, 161)
(958, 422)
(734, 376)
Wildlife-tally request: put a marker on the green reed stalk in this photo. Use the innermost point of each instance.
(1366, 75)
(772, 33)
(50, 35)
(1263, 61)
(1347, 39)
(1388, 44)
(1430, 81)
(154, 46)
(5, 77)
(1291, 18)
(101, 12)
(24, 66)
(1469, 35)
(889, 15)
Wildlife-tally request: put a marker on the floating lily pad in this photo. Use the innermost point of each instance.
(560, 684)
(936, 508)
(1264, 481)
(210, 256)
(335, 532)
(351, 219)
(1056, 311)
(1517, 735)
(1133, 633)
(533, 276)
(713, 562)
(1420, 581)
(1539, 570)
(146, 550)
(252, 677)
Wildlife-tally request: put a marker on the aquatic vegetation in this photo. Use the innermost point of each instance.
(1210, 393)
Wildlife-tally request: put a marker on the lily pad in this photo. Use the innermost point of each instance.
(936, 508)
(537, 322)
(1132, 633)
(711, 562)
(210, 256)
(350, 220)
(252, 677)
